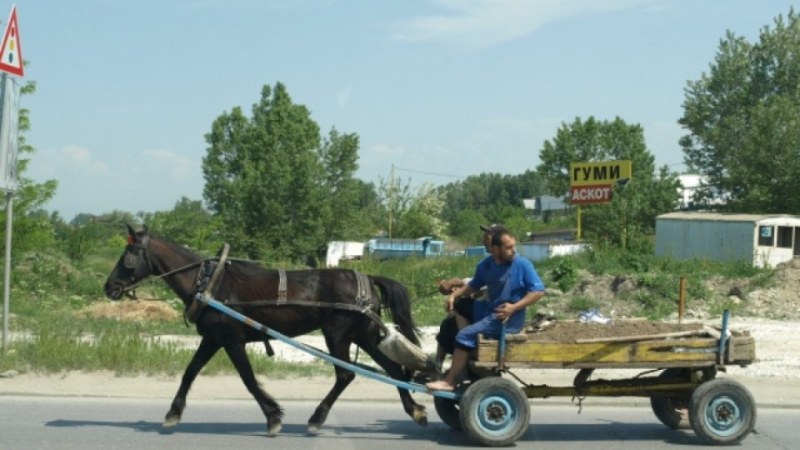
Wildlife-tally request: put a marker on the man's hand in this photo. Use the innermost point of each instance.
(504, 311)
(448, 305)
(446, 287)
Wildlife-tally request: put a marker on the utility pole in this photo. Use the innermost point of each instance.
(391, 196)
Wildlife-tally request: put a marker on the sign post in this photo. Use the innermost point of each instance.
(10, 62)
(593, 182)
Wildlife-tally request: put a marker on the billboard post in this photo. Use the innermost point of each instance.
(10, 63)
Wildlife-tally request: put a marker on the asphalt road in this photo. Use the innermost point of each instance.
(60, 423)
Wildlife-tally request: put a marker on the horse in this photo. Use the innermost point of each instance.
(308, 300)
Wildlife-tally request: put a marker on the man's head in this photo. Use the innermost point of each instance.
(504, 246)
(488, 232)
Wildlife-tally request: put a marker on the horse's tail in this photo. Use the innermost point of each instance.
(395, 296)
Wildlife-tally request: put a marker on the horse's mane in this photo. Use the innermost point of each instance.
(244, 269)
(240, 269)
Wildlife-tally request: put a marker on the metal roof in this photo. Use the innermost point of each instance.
(723, 217)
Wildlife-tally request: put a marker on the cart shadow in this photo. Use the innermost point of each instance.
(612, 431)
(609, 431)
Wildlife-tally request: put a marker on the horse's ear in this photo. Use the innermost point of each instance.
(131, 233)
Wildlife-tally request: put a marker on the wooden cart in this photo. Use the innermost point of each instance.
(679, 377)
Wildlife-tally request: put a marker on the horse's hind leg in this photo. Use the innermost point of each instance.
(268, 405)
(344, 377)
(202, 355)
(396, 371)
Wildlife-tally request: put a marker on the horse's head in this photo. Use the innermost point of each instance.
(133, 266)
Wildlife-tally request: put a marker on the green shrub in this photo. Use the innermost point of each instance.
(564, 274)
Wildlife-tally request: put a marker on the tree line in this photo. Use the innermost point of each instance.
(279, 188)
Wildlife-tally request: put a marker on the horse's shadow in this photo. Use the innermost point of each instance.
(608, 431)
(403, 429)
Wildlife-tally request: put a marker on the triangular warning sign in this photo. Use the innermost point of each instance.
(11, 49)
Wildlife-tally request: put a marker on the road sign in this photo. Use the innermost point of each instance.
(9, 131)
(11, 48)
(605, 173)
(592, 182)
(589, 195)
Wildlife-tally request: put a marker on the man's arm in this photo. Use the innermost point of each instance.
(459, 292)
(506, 310)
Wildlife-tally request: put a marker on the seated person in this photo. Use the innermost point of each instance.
(449, 328)
(512, 284)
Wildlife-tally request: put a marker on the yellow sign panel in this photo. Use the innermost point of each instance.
(601, 173)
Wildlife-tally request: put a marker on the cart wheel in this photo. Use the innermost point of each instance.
(494, 412)
(672, 411)
(447, 409)
(722, 411)
(448, 412)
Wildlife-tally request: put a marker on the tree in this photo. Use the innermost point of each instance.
(743, 119)
(188, 223)
(271, 181)
(493, 197)
(423, 215)
(350, 208)
(31, 225)
(634, 207)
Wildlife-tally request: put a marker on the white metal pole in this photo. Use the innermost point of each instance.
(7, 275)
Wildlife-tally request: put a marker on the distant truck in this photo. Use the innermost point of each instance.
(343, 251)
(388, 248)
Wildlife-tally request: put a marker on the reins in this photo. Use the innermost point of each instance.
(149, 279)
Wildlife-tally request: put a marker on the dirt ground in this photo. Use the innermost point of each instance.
(778, 298)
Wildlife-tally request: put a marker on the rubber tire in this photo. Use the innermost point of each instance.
(494, 412)
(668, 409)
(722, 396)
(448, 411)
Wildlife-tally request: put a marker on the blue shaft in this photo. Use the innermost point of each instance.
(414, 387)
(723, 339)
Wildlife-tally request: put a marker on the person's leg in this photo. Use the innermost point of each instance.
(466, 341)
(446, 339)
(464, 312)
(457, 367)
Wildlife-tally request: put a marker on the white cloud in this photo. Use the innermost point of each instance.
(388, 150)
(80, 158)
(178, 166)
(483, 23)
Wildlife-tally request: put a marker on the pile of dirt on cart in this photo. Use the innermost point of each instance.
(570, 331)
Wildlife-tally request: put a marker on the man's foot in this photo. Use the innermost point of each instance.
(440, 385)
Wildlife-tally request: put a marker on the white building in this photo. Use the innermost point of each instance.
(690, 185)
(761, 240)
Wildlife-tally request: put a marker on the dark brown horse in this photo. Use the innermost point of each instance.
(309, 300)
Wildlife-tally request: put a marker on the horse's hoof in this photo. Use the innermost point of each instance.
(313, 429)
(171, 421)
(420, 416)
(273, 428)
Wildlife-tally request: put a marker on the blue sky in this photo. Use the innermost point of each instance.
(126, 90)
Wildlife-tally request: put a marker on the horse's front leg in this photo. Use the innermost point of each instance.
(205, 351)
(343, 378)
(236, 352)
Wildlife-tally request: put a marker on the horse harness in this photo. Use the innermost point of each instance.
(210, 271)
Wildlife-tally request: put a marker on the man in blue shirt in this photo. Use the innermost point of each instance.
(512, 285)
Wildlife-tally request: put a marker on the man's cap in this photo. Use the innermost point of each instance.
(494, 228)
